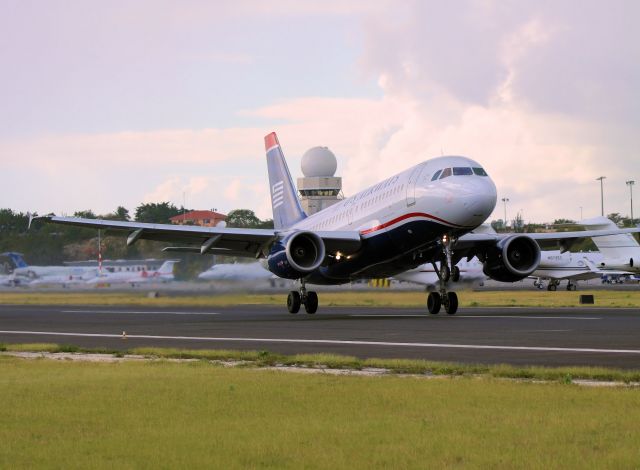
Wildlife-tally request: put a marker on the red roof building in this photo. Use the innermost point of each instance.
(202, 218)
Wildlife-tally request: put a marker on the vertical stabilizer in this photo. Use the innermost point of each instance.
(284, 201)
(167, 267)
(16, 259)
(623, 246)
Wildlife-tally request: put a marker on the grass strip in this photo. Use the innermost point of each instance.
(64, 414)
(413, 299)
(264, 358)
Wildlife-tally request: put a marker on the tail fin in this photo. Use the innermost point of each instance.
(623, 246)
(16, 259)
(167, 267)
(284, 201)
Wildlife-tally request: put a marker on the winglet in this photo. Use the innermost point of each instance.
(271, 141)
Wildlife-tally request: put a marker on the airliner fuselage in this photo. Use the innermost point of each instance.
(403, 218)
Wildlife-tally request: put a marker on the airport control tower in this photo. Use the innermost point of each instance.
(318, 188)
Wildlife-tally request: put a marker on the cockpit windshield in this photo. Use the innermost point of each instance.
(445, 173)
(458, 171)
(461, 171)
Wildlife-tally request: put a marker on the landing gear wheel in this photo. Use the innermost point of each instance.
(433, 303)
(455, 274)
(293, 302)
(311, 303)
(445, 273)
(451, 305)
(551, 287)
(571, 287)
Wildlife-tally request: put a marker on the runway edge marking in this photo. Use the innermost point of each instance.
(331, 341)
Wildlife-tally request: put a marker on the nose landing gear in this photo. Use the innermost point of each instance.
(307, 298)
(444, 298)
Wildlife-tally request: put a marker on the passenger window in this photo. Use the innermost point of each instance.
(445, 173)
(480, 171)
(435, 176)
(462, 171)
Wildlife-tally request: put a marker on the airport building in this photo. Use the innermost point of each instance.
(319, 188)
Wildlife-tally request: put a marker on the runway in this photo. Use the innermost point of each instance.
(569, 336)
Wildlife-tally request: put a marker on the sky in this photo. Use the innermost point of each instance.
(123, 102)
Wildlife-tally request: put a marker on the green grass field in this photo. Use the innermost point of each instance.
(386, 298)
(196, 415)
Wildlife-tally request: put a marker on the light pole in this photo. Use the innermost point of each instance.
(601, 193)
(630, 183)
(505, 200)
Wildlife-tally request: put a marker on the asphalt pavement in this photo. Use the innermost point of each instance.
(537, 336)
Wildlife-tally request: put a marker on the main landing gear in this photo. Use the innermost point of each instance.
(553, 285)
(302, 297)
(444, 298)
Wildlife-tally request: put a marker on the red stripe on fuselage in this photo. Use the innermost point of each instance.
(408, 216)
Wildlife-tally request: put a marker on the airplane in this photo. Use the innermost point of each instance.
(237, 272)
(27, 274)
(242, 274)
(427, 213)
(615, 257)
(465, 273)
(163, 274)
(619, 252)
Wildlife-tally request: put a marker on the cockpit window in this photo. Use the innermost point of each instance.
(435, 176)
(461, 171)
(446, 172)
(479, 171)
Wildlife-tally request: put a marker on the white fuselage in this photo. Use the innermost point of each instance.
(461, 202)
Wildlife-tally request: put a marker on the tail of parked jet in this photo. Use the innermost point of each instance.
(284, 201)
(167, 267)
(623, 246)
(16, 259)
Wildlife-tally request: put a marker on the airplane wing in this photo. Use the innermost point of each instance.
(230, 241)
(564, 239)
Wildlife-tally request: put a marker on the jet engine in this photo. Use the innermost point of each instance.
(512, 259)
(630, 264)
(297, 255)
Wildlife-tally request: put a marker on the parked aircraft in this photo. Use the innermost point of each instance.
(617, 256)
(163, 274)
(619, 252)
(427, 213)
(35, 275)
(237, 272)
(465, 273)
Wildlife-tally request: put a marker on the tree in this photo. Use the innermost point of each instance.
(243, 218)
(615, 217)
(158, 213)
(88, 214)
(563, 222)
(120, 213)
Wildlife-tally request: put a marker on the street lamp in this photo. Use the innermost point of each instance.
(601, 193)
(630, 183)
(505, 200)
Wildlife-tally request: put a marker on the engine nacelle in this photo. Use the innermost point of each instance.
(297, 255)
(512, 258)
(621, 264)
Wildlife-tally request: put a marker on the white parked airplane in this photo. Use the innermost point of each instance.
(465, 273)
(427, 213)
(24, 273)
(163, 274)
(619, 252)
(617, 255)
(236, 272)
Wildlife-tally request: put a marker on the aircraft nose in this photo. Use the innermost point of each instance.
(481, 198)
